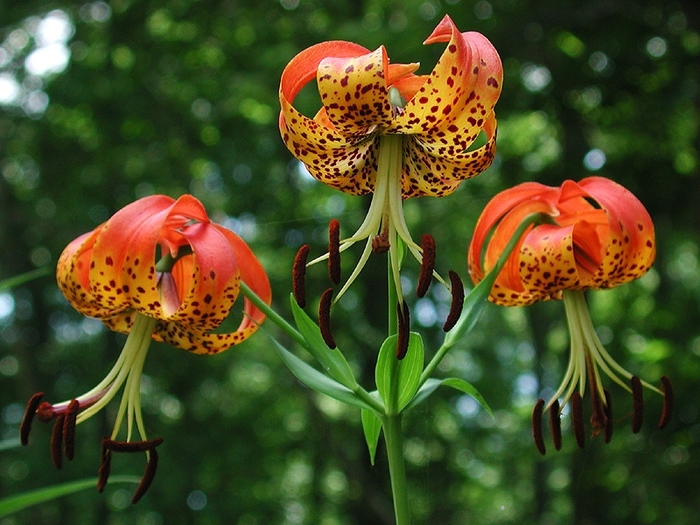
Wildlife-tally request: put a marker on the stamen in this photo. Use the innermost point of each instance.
(555, 424)
(608, 418)
(638, 405)
(577, 419)
(110, 445)
(537, 426)
(105, 465)
(598, 419)
(29, 413)
(69, 428)
(404, 330)
(334, 251)
(380, 244)
(131, 446)
(668, 402)
(324, 317)
(299, 275)
(56, 441)
(147, 477)
(427, 264)
(45, 412)
(457, 288)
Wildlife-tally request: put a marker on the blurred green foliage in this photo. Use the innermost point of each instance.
(174, 96)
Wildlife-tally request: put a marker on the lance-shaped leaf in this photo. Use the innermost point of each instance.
(398, 381)
(318, 381)
(332, 360)
(432, 384)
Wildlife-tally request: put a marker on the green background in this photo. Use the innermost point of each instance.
(181, 96)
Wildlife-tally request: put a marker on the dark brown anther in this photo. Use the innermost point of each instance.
(324, 317)
(555, 424)
(537, 426)
(599, 421)
(105, 465)
(638, 405)
(427, 264)
(299, 275)
(334, 251)
(29, 413)
(69, 428)
(404, 330)
(57, 441)
(457, 301)
(607, 435)
(577, 419)
(45, 412)
(380, 243)
(131, 446)
(668, 402)
(147, 477)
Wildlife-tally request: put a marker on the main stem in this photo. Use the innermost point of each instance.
(393, 437)
(391, 422)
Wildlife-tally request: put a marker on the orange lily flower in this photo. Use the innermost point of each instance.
(598, 236)
(112, 274)
(384, 130)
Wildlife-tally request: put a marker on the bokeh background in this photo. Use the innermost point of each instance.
(107, 101)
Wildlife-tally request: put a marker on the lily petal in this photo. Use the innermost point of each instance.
(603, 237)
(354, 92)
(631, 249)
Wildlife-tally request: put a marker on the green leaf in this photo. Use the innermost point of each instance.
(332, 360)
(372, 426)
(474, 304)
(476, 300)
(406, 372)
(22, 501)
(25, 277)
(459, 384)
(318, 381)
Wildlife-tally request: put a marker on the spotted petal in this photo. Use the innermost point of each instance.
(603, 237)
(631, 248)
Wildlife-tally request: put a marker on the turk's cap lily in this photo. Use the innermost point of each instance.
(158, 269)
(385, 130)
(597, 235)
(440, 114)
(111, 274)
(600, 236)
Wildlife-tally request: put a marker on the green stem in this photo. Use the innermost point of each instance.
(391, 421)
(393, 437)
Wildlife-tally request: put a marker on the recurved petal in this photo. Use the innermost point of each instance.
(302, 68)
(631, 249)
(550, 256)
(72, 275)
(207, 281)
(205, 343)
(437, 170)
(122, 269)
(200, 342)
(185, 210)
(461, 90)
(491, 216)
(342, 162)
(254, 276)
(354, 92)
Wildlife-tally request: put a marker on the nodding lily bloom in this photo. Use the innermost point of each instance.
(384, 130)
(158, 269)
(596, 235)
